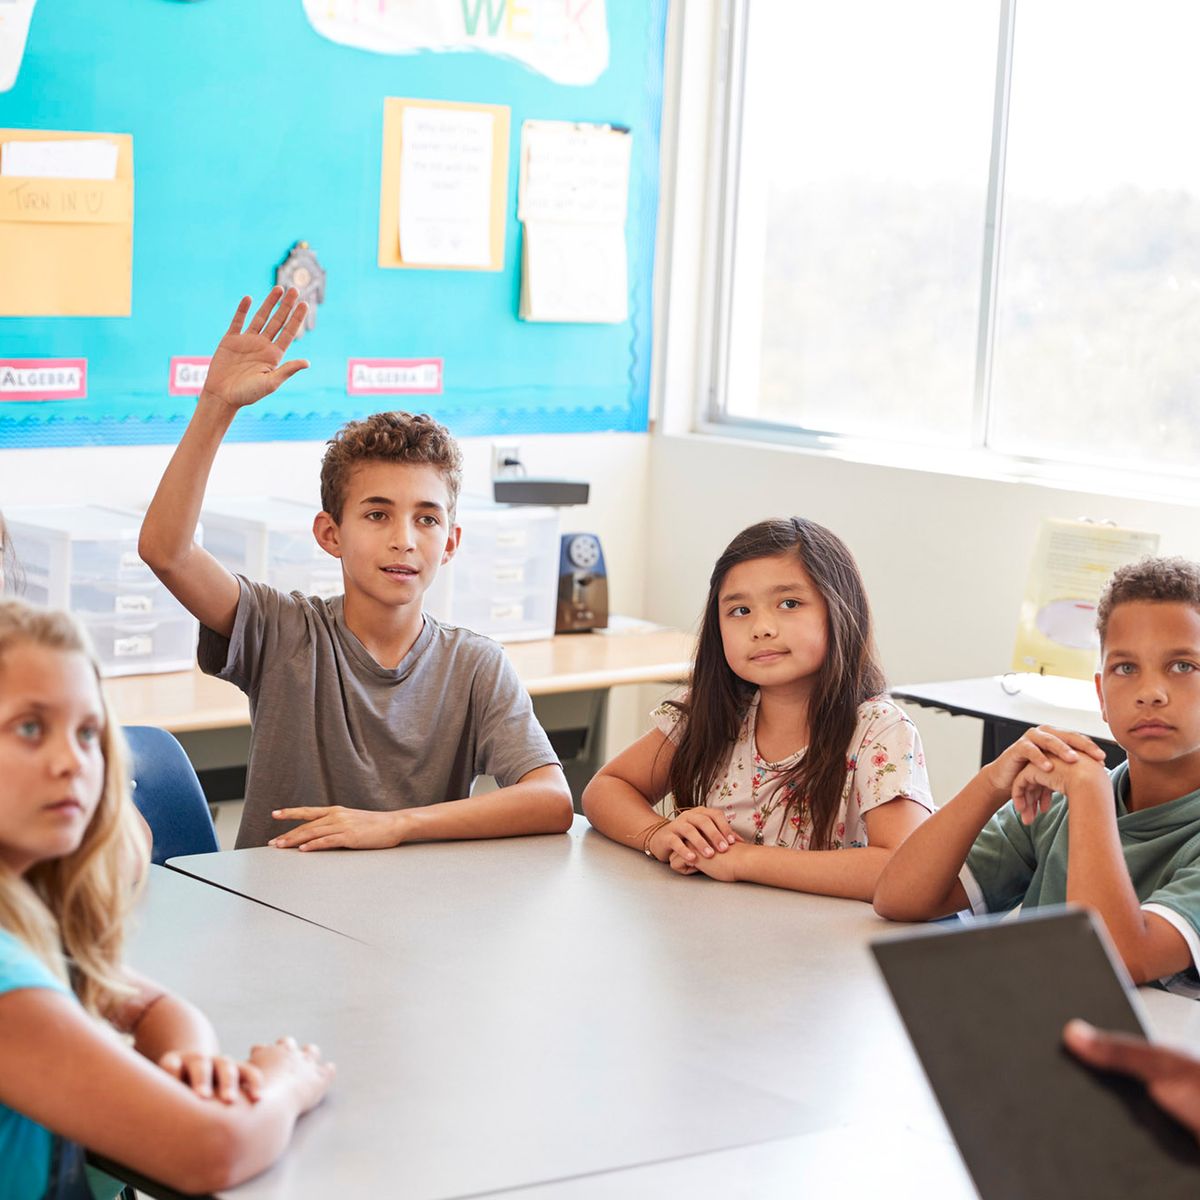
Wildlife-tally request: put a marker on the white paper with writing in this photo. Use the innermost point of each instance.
(446, 187)
(577, 173)
(572, 196)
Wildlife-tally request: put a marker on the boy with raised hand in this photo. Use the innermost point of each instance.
(1133, 851)
(369, 719)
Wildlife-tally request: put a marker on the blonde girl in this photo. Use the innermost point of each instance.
(162, 1099)
(783, 741)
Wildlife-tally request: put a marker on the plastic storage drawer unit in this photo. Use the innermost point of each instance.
(503, 581)
(271, 541)
(84, 558)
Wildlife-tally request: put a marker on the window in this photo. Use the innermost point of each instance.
(974, 225)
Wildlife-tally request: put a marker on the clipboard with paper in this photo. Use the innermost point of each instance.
(66, 240)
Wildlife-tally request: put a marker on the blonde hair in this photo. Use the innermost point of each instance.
(71, 911)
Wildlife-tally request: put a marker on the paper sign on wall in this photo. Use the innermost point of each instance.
(444, 180)
(14, 29)
(187, 376)
(43, 378)
(66, 229)
(1071, 564)
(394, 377)
(446, 187)
(572, 198)
(566, 40)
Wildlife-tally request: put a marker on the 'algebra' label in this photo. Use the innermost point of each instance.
(43, 378)
(394, 377)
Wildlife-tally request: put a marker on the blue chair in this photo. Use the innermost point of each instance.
(168, 794)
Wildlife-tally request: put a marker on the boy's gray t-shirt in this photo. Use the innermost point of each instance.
(329, 725)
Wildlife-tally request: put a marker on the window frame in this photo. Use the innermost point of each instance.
(975, 458)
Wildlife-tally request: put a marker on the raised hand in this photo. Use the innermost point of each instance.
(245, 366)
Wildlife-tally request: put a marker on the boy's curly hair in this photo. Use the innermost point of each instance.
(397, 437)
(1162, 579)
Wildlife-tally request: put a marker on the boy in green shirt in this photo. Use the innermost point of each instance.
(1125, 843)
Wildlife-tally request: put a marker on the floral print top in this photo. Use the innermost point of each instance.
(884, 761)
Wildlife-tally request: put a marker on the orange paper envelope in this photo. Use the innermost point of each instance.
(66, 245)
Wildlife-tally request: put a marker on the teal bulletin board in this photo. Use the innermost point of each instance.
(251, 132)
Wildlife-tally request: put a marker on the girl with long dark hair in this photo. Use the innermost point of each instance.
(783, 740)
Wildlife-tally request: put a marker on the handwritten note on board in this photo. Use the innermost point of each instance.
(574, 173)
(446, 187)
(572, 199)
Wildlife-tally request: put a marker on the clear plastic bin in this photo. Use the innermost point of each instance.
(84, 558)
(503, 581)
(270, 540)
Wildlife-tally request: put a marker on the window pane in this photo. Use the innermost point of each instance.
(866, 138)
(1097, 352)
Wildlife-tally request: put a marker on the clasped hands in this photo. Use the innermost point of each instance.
(699, 841)
(1041, 762)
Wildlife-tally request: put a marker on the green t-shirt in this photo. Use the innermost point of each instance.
(1013, 864)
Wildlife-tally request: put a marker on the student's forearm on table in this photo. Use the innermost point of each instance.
(1098, 878)
(171, 1023)
(618, 810)
(534, 806)
(920, 880)
(851, 873)
(170, 522)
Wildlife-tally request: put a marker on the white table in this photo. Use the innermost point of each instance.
(562, 1016)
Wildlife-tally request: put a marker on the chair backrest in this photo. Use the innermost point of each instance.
(168, 795)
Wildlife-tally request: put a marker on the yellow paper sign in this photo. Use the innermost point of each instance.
(1071, 564)
(470, 173)
(67, 244)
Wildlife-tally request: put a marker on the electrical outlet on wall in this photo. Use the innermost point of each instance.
(506, 460)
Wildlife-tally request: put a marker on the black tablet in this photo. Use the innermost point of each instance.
(985, 1005)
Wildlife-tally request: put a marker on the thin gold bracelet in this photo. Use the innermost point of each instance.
(649, 832)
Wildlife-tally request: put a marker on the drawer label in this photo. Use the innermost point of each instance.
(134, 604)
(508, 612)
(136, 646)
(511, 539)
(509, 574)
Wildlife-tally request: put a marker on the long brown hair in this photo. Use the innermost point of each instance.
(71, 911)
(717, 698)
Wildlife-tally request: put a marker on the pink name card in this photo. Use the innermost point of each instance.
(394, 377)
(187, 376)
(43, 378)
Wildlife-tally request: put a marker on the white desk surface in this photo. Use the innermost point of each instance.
(991, 699)
(528, 1010)
(561, 1015)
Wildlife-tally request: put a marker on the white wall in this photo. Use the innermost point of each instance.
(945, 558)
